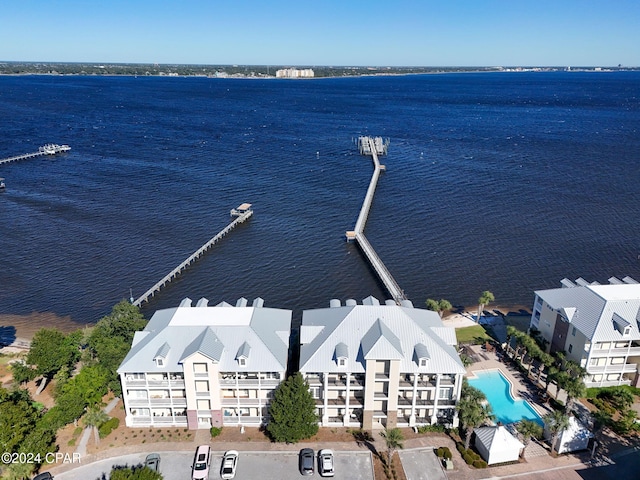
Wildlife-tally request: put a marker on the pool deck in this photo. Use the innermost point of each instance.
(521, 387)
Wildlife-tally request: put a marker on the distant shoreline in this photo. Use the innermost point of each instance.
(263, 71)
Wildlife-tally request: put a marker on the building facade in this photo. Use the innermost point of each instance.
(295, 73)
(595, 325)
(380, 365)
(201, 366)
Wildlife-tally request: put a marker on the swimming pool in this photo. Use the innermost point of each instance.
(497, 390)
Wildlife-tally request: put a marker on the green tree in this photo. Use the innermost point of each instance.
(473, 410)
(546, 361)
(485, 299)
(556, 422)
(511, 333)
(110, 340)
(18, 471)
(39, 441)
(50, 351)
(91, 384)
(439, 306)
(574, 387)
(393, 439)
(18, 417)
(22, 373)
(292, 411)
(95, 417)
(529, 429)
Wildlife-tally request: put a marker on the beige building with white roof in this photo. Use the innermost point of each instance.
(201, 366)
(376, 365)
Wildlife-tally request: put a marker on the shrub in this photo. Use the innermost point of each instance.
(440, 452)
(432, 428)
(479, 464)
(107, 427)
(447, 453)
(468, 458)
(215, 431)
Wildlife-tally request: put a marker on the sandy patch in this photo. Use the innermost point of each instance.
(16, 331)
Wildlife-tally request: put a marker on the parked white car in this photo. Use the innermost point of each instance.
(325, 462)
(229, 464)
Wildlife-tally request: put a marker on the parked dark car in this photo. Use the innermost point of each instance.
(306, 459)
(152, 462)
(43, 476)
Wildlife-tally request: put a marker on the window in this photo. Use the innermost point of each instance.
(242, 362)
(423, 362)
(573, 332)
(342, 362)
(202, 386)
(200, 368)
(570, 348)
(444, 394)
(159, 362)
(203, 405)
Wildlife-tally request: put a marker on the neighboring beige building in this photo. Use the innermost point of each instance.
(595, 325)
(294, 73)
(374, 365)
(204, 366)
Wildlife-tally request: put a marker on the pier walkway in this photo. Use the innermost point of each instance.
(49, 149)
(243, 212)
(374, 147)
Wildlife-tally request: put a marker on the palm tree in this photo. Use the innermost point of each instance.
(486, 297)
(511, 333)
(546, 361)
(393, 439)
(439, 306)
(574, 386)
(528, 429)
(95, 417)
(556, 422)
(473, 410)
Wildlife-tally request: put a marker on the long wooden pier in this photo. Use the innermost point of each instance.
(374, 147)
(242, 214)
(49, 149)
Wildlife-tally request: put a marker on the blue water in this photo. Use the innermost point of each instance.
(502, 182)
(497, 390)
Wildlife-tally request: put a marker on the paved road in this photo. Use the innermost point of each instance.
(251, 466)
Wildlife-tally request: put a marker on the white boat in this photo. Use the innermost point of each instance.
(1, 184)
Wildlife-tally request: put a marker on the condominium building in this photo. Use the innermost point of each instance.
(201, 366)
(380, 365)
(295, 73)
(595, 325)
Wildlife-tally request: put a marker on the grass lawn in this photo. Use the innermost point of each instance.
(474, 334)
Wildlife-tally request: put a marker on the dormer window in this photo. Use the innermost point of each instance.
(161, 355)
(621, 325)
(341, 355)
(421, 355)
(242, 356)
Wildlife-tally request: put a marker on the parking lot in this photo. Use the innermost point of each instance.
(251, 465)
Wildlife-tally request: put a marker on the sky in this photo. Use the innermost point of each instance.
(324, 32)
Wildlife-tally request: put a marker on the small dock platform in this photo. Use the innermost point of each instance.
(374, 147)
(48, 149)
(242, 214)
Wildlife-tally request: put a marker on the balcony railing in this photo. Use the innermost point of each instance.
(242, 420)
(231, 401)
(620, 368)
(615, 352)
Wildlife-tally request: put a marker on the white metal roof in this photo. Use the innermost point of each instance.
(593, 309)
(220, 333)
(381, 331)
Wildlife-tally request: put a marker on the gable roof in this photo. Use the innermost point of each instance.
(595, 309)
(219, 332)
(372, 330)
(207, 343)
(380, 343)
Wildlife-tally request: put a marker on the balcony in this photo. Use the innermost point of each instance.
(241, 420)
(620, 368)
(233, 401)
(615, 352)
(382, 377)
